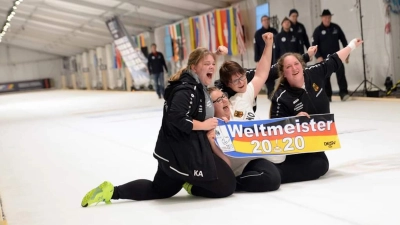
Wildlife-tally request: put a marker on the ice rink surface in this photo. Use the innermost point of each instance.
(57, 145)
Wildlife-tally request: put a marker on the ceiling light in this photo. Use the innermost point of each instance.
(11, 14)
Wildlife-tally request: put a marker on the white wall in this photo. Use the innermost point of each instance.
(18, 64)
(382, 51)
(395, 23)
(377, 47)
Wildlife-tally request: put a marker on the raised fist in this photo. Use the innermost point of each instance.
(312, 50)
(222, 50)
(268, 37)
(357, 41)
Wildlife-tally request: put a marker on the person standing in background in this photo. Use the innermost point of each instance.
(299, 29)
(286, 40)
(327, 36)
(156, 64)
(259, 46)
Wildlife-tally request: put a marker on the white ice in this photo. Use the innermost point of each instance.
(57, 145)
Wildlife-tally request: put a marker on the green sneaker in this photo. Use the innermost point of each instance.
(188, 187)
(103, 192)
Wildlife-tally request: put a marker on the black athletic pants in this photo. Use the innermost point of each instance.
(164, 186)
(259, 175)
(303, 167)
(342, 82)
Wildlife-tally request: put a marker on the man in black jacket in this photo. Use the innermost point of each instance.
(327, 36)
(259, 43)
(299, 29)
(259, 46)
(155, 63)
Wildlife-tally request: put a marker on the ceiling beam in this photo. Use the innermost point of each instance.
(99, 22)
(61, 32)
(45, 43)
(56, 39)
(126, 14)
(36, 48)
(213, 3)
(161, 7)
(52, 23)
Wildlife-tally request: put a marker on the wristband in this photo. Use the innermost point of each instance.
(352, 45)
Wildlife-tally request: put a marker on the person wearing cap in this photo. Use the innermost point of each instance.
(299, 29)
(327, 36)
(286, 40)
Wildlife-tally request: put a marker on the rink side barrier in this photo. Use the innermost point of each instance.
(3, 220)
(25, 85)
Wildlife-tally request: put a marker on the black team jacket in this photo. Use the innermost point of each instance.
(327, 39)
(299, 29)
(184, 153)
(289, 101)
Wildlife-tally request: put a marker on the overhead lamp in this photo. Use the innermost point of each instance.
(11, 14)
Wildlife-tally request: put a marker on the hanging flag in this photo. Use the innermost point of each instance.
(118, 58)
(197, 31)
(218, 28)
(179, 40)
(184, 30)
(175, 46)
(232, 32)
(192, 34)
(142, 41)
(224, 23)
(167, 44)
(228, 31)
(239, 31)
(212, 28)
(205, 32)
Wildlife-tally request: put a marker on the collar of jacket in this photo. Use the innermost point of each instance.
(295, 90)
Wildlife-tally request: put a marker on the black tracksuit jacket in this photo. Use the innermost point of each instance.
(301, 33)
(182, 151)
(287, 42)
(327, 39)
(289, 101)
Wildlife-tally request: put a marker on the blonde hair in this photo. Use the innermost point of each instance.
(194, 58)
(281, 78)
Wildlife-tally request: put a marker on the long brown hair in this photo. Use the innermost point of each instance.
(281, 78)
(194, 58)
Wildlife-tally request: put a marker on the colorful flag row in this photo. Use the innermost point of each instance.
(210, 30)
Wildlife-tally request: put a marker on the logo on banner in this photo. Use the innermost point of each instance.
(281, 136)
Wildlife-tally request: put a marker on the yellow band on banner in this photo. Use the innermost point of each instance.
(288, 145)
(278, 136)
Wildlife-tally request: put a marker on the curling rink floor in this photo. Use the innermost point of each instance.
(57, 145)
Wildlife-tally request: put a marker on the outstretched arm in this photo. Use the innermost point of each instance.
(345, 52)
(264, 65)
